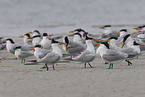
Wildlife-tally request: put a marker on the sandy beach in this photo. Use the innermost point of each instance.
(71, 79)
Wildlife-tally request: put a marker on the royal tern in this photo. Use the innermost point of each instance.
(77, 37)
(27, 39)
(109, 55)
(52, 57)
(88, 55)
(72, 47)
(39, 52)
(36, 40)
(22, 54)
(108, 32)
(45, 42)
(36, 32)
(10, 45)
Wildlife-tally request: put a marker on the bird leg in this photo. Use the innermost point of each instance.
(53, 67)
(110, 66)
(129, 63)
(46, 66)
(90, 65)
(23, 61)
(85, 65)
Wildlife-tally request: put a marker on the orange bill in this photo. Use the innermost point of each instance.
(70, 35)
(3, 41)
(47, 36)
(32, 48)
(61, 43)
(30, 38)
(142, 45)
(71, 31)
(123, 45)
(117, 32)
(106, 41)
(30, 32)
(101, 27)
(21, 36)
(66, 48)
(96, 43)
(134, 32)
(96, 40)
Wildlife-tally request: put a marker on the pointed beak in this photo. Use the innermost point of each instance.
(30, 32)
(96, 40)
(32, 48)
(106, 41)
(70, 35)
(21, 36)
(141, 45)
(30, 38)
(71, 31)
(117, 32)
(101, 27)
(134, 32)
(137, 28)
(61, 43)
(90, 34)
(66, 48)
(3, 41)
(123, 45)
(96, 43)
(47, 36)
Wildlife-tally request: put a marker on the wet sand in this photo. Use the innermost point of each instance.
(71, 79)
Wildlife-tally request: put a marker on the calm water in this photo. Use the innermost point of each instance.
(59, 16)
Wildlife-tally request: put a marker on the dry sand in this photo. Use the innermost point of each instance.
(71, 79)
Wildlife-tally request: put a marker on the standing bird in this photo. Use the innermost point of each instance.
(109, 55)
(73, 48)
(108, 32)
(36, 40)
(88, 55)
(27, 39)
(10, 45)
(22, 54)
(45, 42)
(39, 52)
(52, 57)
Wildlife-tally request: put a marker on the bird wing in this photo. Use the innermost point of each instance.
(49, 58)
(114, 56)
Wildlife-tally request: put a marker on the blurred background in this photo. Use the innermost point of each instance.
(59, 16)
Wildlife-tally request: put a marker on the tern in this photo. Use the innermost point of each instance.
(22, 54)
(45, 42)
(10, 45)
(109, 55)
(51, 58)
(88, 55)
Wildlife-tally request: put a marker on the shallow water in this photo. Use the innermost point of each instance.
(60, 16)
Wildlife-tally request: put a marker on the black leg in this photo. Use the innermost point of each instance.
(85, 65)
(110, 66)
(53, 67)
(46, 66)
(129, 63)
(90, 65)
(23, 60)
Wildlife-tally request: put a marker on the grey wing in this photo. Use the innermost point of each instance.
(44, 51)
(25, 54)
(49, 58)
(114, 56)
(130, 51)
